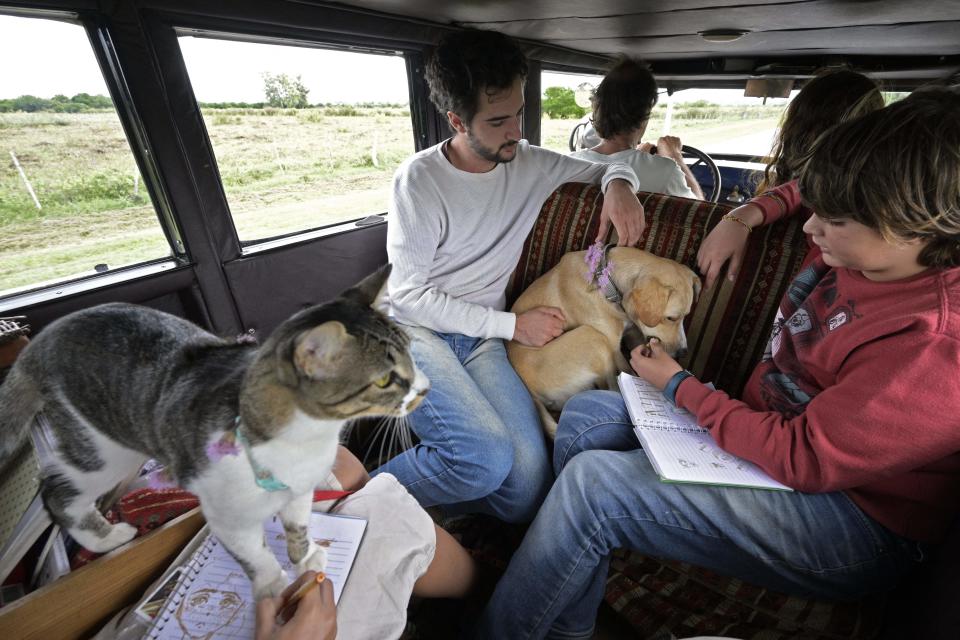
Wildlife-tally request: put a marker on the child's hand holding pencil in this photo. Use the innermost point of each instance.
(304, 611)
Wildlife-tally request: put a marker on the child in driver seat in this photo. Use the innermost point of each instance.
(830, 98)
(854, 405)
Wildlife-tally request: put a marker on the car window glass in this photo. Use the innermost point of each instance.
(303, 137)
(564, 103)
(72, 200)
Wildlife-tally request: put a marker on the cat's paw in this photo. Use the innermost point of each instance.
(271, 586)
(316, 560)
(120, 534)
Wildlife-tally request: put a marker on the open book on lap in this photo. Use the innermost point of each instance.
(213, 598)
(679, 449)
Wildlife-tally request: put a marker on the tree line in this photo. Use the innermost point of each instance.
(286, 92)
(58, 103)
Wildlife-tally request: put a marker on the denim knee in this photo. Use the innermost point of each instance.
(527, 494)
(475, 474)
(592, 420)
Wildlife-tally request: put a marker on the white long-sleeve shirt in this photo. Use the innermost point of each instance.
(454, 237)
(654, 173)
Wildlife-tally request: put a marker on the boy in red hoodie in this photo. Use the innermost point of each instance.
(855, 405)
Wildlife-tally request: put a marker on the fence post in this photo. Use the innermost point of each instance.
(668, 117)
(23, 176)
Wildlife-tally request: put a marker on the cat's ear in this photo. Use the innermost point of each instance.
(372, 290)
(316, 352)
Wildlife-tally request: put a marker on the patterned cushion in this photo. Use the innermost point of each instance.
(726, 332)
(728, 327)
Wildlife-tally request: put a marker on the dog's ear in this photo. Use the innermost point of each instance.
(697, 285)
(647, 301)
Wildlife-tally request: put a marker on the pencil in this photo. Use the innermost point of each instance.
(290, 606)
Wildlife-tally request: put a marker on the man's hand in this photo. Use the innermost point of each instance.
(670, 147)
(653, 364)
(538, 326)
(622, 209)
(314, 619)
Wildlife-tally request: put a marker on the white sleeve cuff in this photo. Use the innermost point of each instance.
(619, 171)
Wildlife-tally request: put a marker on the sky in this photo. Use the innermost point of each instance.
(46, 57)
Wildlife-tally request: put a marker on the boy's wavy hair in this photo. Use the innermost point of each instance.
(624, 98)
(464, 63)
(832, 97)
(896, 170)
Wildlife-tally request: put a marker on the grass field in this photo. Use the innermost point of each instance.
(282, 171)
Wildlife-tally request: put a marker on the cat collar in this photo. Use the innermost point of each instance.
(600, 272)
(261, 475)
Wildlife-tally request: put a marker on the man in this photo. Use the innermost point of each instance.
(459, 214)
(622, 105)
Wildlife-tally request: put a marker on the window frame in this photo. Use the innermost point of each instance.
(106, 58)
(315, 40)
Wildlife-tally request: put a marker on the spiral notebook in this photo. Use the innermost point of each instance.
(213, 597)
(678, 448)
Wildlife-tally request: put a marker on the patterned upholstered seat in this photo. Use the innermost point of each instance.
(728, 327)
(727, 332)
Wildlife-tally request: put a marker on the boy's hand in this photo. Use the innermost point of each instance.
(653, 364)
(538, 326)
(621, 208)
(314, 619)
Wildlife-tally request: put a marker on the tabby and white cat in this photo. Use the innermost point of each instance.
(250, 430)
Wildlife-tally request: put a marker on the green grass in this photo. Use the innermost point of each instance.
(283, 170)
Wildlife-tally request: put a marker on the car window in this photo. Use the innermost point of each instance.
(717, 121)
(72, 200)
(564, 102)
(300, 143)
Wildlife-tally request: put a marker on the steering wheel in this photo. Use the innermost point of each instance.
(580, 138)
(707, 161)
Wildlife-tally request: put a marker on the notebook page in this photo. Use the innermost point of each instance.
(679, 449)
(650, 410)
(695, 457)
(215, 598)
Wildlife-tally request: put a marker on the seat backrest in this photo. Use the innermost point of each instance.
(728, 327)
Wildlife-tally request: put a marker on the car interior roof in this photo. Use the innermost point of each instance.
(901, 43)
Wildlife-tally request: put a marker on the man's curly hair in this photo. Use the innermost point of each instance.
(464, 63)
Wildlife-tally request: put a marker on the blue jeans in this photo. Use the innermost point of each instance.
(608, 496)
(482, 448)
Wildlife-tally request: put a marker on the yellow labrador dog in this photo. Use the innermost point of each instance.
(602, 292)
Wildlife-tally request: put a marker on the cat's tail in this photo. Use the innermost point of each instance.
(20, 401)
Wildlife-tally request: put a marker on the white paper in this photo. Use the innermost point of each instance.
(215, 598)
(679, 449)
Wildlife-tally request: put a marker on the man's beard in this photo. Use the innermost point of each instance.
(489, 154)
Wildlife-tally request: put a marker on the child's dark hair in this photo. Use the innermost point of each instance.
(832, 97)
(896, 170)
(624, 98)
(464, 63)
